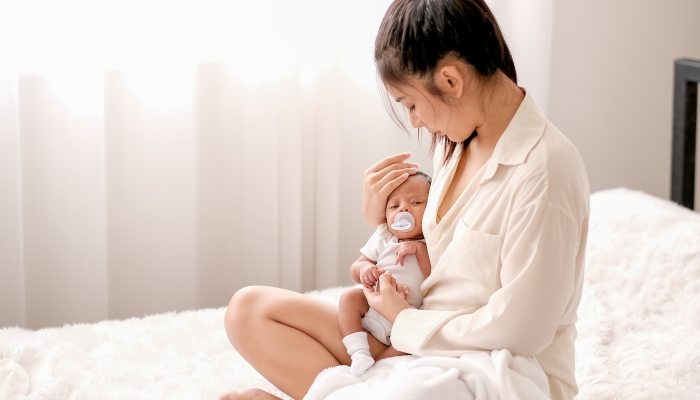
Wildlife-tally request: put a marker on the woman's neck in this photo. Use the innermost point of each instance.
(500, 101)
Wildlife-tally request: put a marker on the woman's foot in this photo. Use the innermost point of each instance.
(249, 394)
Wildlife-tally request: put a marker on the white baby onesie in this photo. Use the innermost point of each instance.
(381, 247)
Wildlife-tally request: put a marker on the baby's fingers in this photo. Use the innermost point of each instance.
(363, 281)
(399, 258)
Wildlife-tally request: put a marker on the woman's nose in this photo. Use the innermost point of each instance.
(415, 121)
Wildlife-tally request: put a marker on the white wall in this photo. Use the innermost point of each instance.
(527, 28)
(611, 88)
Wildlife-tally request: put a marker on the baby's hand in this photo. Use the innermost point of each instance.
(369, 274)
(406, 248)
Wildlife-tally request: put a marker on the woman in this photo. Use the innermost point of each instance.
(506, 221)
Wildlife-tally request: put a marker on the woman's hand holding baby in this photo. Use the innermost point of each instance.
(390, 299)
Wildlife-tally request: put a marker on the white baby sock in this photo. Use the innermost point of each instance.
(358, 348)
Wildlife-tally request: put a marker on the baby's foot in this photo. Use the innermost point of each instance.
(361, 361)
(358, 348)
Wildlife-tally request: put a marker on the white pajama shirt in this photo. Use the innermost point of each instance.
(508, 257)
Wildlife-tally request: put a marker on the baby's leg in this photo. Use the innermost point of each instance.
(351, 307)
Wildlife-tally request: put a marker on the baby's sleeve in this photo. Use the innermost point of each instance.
(373, 248)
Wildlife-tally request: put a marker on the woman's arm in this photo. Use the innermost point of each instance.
(380, 180)
(539, 254)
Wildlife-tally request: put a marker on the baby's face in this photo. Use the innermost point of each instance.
(411, 196)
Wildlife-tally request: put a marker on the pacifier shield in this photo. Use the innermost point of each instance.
(403, 222)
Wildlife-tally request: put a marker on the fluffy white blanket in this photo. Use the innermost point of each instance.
(639, 325)
(473, 376)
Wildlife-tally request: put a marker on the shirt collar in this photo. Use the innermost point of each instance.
(519, 138)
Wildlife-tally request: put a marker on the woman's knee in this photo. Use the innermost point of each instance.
(245, 305)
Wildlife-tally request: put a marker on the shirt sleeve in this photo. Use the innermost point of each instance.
(537, 277)
(375, 244)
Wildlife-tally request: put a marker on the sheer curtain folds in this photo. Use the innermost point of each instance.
(157, 156)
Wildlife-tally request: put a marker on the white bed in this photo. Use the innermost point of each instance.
(639, 325)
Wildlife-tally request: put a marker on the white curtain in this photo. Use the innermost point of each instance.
(157, 156)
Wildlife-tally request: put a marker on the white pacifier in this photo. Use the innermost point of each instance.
(403, 222)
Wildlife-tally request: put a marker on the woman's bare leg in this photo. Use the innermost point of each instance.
(286, 336)
(390, 352)
(250, 394)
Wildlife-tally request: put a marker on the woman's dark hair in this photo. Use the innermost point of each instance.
(415, 35)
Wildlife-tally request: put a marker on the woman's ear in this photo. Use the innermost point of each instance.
(450, 80)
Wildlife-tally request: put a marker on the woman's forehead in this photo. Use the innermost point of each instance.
(396, 93)
(414, 89)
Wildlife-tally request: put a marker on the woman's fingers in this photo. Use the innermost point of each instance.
(403, 290)
(386, 279)
(392, 173)
(370, 295)
(380, 180)
(386, 186)
(387, 286)
(386, 300)
(383, 163)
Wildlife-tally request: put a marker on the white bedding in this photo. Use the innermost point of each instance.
(477, 375)
(639, 325)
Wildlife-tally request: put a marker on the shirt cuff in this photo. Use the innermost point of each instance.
(413, 327)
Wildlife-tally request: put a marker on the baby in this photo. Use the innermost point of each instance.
(397, 246)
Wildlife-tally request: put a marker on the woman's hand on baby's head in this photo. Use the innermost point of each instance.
(380, 180)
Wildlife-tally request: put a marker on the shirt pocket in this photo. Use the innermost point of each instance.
(466, 275)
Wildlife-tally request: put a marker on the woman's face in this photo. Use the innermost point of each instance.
(432, 113)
